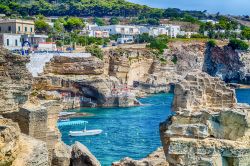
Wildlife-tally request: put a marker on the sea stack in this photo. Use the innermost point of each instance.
(208, 127)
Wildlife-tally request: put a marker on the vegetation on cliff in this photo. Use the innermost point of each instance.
(159, 43)
(95, 50)
(211, 43)
(238, 44)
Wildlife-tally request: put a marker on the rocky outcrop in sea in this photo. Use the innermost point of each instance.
(208, 126)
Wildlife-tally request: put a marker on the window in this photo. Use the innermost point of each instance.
(31, 29)
(19, 29)
(16, 43)
(8, 42)
(9, 28)
(25, 29)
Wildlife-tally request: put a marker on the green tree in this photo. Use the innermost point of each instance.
(95, 50)
(159, 43)
(246, 33)
(143, 38)
(114, 21)
(59, 26)
(99, 21)
(42, 27)
(73, 23)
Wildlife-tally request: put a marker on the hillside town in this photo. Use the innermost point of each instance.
(21, 35)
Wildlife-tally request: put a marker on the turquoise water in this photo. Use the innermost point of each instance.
(132, 132)
(243, 95)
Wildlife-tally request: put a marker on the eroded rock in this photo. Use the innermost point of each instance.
(209, 127)
(157, 158)
(81, 156)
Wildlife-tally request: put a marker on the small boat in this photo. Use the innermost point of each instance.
(84, 132)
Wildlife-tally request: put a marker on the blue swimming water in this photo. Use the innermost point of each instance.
(132, 132)
(243, 95)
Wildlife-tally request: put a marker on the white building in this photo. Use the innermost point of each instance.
(187, 34)
(11, 41)
(98, 34)
(34, 39)
(123, 30)
(47, 46)
(15, 41)
(173, 30)
(156, 31)
(211, 21)
(169, 30)
(89, 26)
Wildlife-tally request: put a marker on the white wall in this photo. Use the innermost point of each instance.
(14, 41)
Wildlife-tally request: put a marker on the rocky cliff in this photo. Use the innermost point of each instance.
(15, 81)
(16, 148)
(28, 126)
(208, 127)
(228, 64)
(115, 81)
(186, 55)
(222, 61)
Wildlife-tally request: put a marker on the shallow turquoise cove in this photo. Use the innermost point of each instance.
(132, 132)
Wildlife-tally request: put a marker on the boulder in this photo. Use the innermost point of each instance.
(157, 158)
(81, 156)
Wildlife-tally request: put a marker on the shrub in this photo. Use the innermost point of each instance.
(246, 33)
(95, 50)
(198, 36)
(211, 43)
(238, 44)
(159, 43)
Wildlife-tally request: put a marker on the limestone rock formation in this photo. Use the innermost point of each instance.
(81, 156)
(32, 152)
(226, 63)
(138, 68)
(209, 126)
(115, 81)
(18, 149)
(157, 158)
(34, 139)
(186, 56)
(74, 66)
(15, 81)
